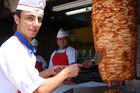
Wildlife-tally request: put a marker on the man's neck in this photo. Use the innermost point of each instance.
(28, 39)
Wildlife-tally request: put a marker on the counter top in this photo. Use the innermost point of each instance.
(62, 88)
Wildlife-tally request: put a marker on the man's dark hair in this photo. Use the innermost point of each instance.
(18, 13)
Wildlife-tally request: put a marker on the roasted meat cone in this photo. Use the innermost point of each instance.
(114, 26)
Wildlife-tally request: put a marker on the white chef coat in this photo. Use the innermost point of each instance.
(17, 67)
(70, 52)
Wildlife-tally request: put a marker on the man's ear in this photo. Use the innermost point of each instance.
(16, 18)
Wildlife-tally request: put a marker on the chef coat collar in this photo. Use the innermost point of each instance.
(63, 48)
(25, 42)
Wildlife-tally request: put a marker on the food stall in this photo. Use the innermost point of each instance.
(114, 26)
(89, 79)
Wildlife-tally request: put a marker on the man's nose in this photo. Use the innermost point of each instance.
(62, 40)
(36, 22)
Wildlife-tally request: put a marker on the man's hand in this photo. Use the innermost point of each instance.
(56, 69)
(72, 70)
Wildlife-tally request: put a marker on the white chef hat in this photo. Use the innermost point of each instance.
(62, 33)
(36, 6)
(34, 42)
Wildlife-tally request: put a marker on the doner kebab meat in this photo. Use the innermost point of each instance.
(114, 29)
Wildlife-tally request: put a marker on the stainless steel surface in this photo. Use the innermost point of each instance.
(103, 89)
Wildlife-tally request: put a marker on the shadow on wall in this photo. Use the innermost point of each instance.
(6, 28)
(3, 38)
(47, 44)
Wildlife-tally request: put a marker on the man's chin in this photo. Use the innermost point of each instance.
(33, 36)
(62, 47)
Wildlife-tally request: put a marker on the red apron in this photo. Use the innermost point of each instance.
(38, 66)
(60, 59)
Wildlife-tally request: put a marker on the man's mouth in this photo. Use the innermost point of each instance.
(33, 30)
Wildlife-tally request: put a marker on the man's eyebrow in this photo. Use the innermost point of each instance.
(34, 16)
(30, 15)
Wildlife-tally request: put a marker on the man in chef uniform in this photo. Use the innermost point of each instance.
(40, 61)
(17, 59)
(64, 54)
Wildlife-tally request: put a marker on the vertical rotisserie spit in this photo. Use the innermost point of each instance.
(114, 25)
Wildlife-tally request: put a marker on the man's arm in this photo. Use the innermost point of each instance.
(52, 83)
(51, 71)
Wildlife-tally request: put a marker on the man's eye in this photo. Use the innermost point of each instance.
(59, 39)
(30, 18)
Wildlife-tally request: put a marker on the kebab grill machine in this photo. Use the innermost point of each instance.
(114, 26)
